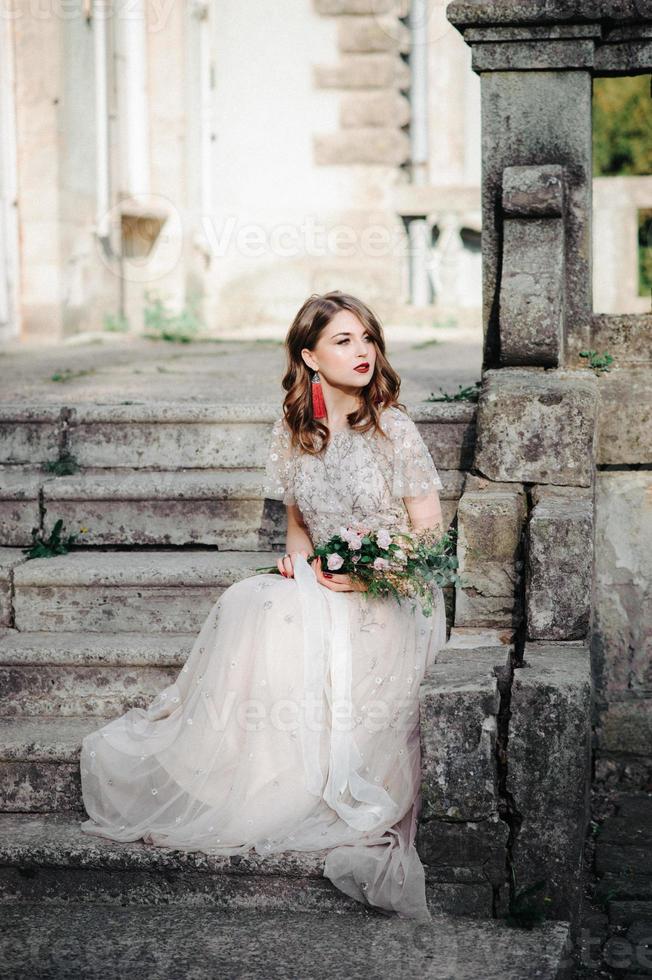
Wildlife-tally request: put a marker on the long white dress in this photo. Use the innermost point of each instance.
(294, 724)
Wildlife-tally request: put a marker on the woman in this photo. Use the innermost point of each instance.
(294, 724)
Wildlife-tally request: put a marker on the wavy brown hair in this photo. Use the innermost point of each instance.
(382, 390)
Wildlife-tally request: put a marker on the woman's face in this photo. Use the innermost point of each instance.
(343, 345)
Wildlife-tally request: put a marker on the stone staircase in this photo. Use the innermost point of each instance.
(170, 500)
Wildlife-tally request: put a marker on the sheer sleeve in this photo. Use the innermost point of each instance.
(279, 467)
(415, 473)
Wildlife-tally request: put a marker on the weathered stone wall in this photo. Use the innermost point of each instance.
(622, 630)
(533, 545)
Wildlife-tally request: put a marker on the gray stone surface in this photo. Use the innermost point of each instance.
(559, 563)
(161, 591)
(531, 318)
(472, 12)
(621, 644)
(537, 426)
(29, 432)
(489, 523)
(466, 637)
(531, 55)
(99, 942)
(85, 690)
(10, 559)
(548, 770)
(67, 866)
(173, 435)
(19, 504)
(534, 192)
(459, 700)
(515, 135)
(138, 507)
(625, 425)
(94, 649)
(625, 730)
(623, 883)
(625, 337)
(39, 763)
(108, 368)
(470, 855)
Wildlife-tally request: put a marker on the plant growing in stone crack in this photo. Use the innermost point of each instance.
(526, 907)
(598, 362)
(53, 545)
(469, 394)
(162, 324)
(65, 465)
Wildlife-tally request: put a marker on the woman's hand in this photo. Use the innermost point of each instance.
(285, 564)
(338, 583)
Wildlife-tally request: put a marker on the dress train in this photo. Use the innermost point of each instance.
(275, 736)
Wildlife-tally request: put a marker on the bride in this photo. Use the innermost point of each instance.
(294, 724)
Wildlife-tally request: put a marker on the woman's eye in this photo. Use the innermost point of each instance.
(346, 339)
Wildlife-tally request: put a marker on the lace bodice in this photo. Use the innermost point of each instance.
(359, 477)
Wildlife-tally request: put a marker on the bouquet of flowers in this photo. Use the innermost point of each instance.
(396, 561)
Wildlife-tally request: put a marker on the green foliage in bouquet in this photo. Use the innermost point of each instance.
(399, 562)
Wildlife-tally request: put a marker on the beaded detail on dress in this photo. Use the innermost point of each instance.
(358, 477)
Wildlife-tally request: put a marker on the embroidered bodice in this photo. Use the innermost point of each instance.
(360, 477)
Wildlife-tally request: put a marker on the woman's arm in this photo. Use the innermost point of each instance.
(297, 537)
(425, 511)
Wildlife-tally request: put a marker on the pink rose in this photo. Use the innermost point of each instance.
(384, 538)
(334, 562)
(380, 564)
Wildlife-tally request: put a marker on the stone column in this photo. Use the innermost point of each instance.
(536, 111)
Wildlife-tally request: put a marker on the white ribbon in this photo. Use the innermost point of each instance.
(327, 641)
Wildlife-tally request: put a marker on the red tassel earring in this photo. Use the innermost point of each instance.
(318, 403)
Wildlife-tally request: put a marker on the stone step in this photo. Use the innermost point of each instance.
(127, 591)
(48, 859)
(39, 763)
(95, 940)
(44, 649)
(122, 506)
(39, 750)
(175, 435)
(76, 674)
(67, 864)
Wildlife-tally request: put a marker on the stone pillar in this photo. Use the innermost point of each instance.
(536, 112)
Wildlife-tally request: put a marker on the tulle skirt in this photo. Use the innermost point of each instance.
(293, 726)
